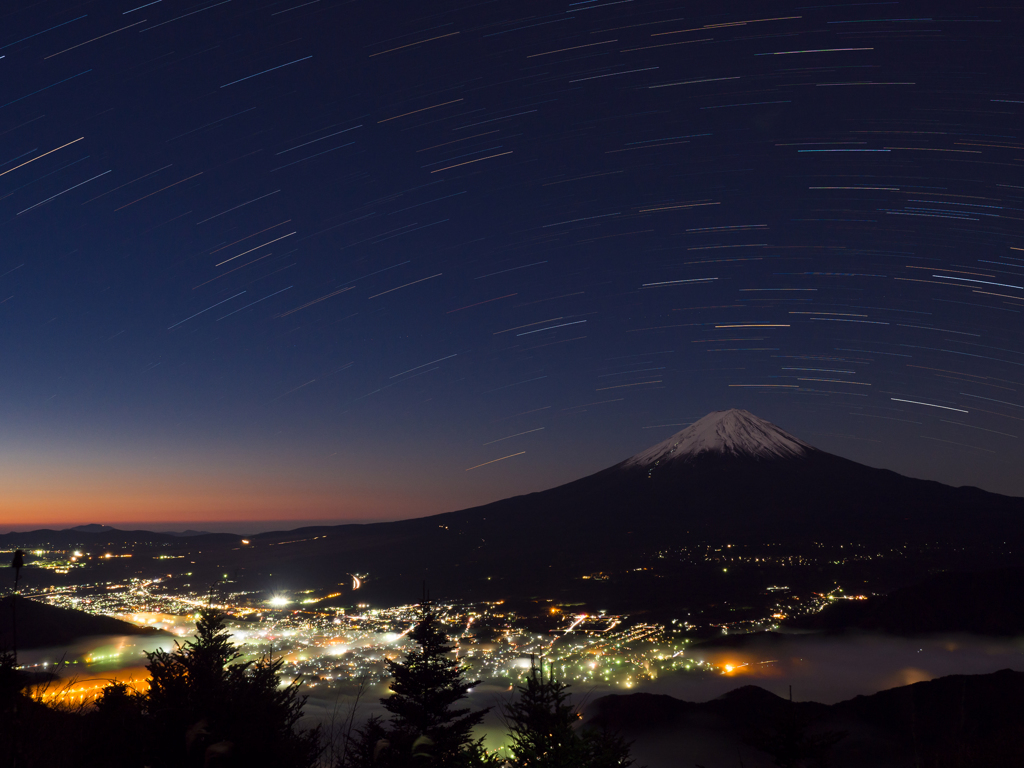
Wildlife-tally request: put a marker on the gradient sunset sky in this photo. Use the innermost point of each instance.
(293, 261)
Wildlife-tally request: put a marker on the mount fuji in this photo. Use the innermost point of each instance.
(737, 476)
(726, 433)
(729, 477)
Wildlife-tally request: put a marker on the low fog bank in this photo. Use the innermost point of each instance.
(833, 669)
(822, 669)
(109, 655)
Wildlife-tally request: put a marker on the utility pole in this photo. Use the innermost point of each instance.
(16, 564)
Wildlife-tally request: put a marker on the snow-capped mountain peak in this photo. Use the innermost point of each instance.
(731, 433)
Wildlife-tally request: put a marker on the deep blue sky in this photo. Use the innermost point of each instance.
(317, 259)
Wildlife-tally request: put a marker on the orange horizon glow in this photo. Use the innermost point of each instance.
(92, 484)
(79, 506)
(112, 490)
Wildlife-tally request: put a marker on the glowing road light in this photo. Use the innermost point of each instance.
(245, 541)
(278, 601)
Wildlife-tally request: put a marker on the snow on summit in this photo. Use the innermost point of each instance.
(733, 433)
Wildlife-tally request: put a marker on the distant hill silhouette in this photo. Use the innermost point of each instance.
(93, 535)
(41, 625)
(112, 531)
(92, 528)
(954, 720)
(983, 602)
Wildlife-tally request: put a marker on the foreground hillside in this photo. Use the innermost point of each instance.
(41, 625)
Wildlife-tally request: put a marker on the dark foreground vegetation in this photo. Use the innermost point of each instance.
(206, 707)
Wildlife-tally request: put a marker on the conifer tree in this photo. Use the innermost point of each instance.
(427, 727)
(544, 730)
(541, 723)
(203, 702)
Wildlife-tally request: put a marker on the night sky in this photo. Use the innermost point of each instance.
(309, 260)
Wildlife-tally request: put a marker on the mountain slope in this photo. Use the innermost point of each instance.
(729, 477)
(989, 602)
(734, 475)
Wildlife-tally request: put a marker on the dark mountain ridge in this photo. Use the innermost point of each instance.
(103, 535)
(974, 718)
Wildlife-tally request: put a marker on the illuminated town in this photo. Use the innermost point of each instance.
(327, 645)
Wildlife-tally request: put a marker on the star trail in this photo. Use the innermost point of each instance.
(225, 226)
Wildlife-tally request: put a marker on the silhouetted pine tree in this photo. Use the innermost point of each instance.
(426, 726)
(204, 707)
(541, 724)
(543, 730)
